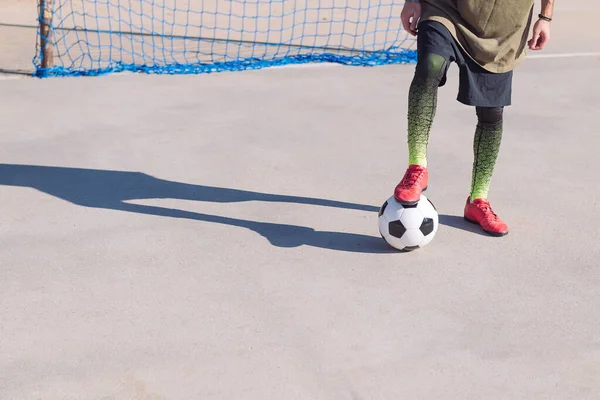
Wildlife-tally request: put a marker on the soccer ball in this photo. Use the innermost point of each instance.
(408, 227)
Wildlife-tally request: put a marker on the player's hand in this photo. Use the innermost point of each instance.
(411, 13)
(541, 35)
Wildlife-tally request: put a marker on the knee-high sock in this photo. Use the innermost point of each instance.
(422, 102)
(486, 147)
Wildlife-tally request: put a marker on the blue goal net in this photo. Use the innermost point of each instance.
(94, 37)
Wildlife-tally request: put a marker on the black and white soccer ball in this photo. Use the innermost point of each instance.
(408, 227)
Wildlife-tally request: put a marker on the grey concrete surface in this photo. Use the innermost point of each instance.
(215, 237)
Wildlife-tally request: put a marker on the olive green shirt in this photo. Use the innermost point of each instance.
(492, 32)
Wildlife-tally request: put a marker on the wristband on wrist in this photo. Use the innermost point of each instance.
(542, 17)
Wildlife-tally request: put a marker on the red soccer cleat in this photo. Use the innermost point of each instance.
(480, 212)
(408, 191)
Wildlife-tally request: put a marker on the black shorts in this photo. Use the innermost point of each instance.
(477, 86)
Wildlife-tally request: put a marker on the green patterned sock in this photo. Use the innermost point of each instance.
(486, 147)
(422, 102)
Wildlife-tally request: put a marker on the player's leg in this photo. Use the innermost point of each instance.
(422, 104)
(489, 93)
(486, 146)
(433, 46)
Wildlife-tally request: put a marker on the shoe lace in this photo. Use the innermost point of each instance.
(411, 177)
(485, 206)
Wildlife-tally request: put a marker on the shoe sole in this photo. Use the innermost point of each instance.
(410, 203)
(496, 234)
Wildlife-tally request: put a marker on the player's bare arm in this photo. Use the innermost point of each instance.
(541, 29)
(411, 13)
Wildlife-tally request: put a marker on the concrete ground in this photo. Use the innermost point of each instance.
(215, 237)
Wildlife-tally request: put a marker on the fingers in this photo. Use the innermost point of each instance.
(413, 24)
(533, 43)
(543, 40)
(409, 23)
(541, 36)
(411, 12)
(405, 21)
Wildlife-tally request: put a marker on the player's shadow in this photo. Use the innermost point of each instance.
(114, 189)
(459, 223)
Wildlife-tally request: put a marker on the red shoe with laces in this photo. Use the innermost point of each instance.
(408, 191)
(479, 211)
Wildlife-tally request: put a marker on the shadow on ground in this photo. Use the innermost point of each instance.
(114, 190)
(458, 222)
